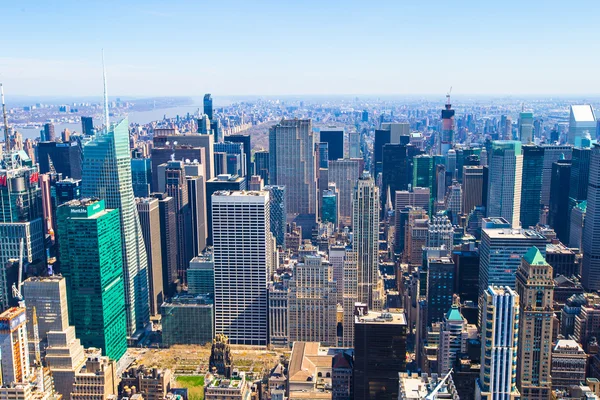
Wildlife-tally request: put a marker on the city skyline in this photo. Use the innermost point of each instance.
(254, 49)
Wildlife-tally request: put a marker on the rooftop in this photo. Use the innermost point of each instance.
(583, 113)
(373, 317)
(534, 257)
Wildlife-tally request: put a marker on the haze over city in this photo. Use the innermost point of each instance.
(157, 48)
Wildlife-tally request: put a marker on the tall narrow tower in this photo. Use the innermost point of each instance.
(535, 287)
(447, 134)
(590, 273)
(107, 176)
(505, 176)
(365, 240)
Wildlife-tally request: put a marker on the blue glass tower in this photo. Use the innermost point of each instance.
(278, 202)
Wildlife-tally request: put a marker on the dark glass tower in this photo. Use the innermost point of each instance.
(87, 125)
(335, 142)
(245, 140)
(531, 188)
(395, 171)
(208, 106)
(64, 158)
(261, 165)
(559, 199)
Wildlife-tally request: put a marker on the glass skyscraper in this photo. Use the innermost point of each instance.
(531, 187)
(107, 176)
(277, 198)
(92, 263)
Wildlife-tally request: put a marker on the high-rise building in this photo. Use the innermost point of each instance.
(334, 137)
(349, 296)
(312, 303)
(453, 339)
(329, 212)
(526, 127)
(245, 140)
(577, 221)
(141, 176)
(365, 241)
(98, 379)
(67, 190)
(472, 187)
(149, 213)
(261, 165)
(187, 319)
(531, 187)
(395, 171)
(49, 135)
(292, 164)
(216, 184)
(242, 251)
(552, 153)
(235, 159)
(582, 124)
(558, 217)
(467, 274)
(168, 241)
(278, 211)
(201, 276)
(63, 158)
(107, 175)
(500, 328)
(440, 286)
(177, 188)
(354, 145)
(590, 272)
(416, 233)
(501, 250)
(196, 186)
(278, 315)
(64, 357)
(13, 345)
(344, 173)
(506, 167)
(535, 287)
(208, 106)
(92, 263)
(447, 132)
(440, 232)
(418, 197)
(424, 174)
(379, 354)
(580, 174)
(87, 126)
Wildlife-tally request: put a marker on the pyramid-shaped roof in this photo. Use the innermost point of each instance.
(534, 257)
(454, 314)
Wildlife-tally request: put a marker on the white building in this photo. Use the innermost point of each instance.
(504, 184)
(582, 124)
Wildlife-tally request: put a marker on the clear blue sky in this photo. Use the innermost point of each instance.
(173, 47)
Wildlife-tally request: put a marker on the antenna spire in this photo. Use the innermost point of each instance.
(6, 138)
(106, 121)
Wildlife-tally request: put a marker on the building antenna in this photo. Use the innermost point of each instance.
(106, 121)
(6, 141)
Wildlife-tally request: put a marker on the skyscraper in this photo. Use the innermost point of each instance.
(141, 176)
(107, 175)
(63, 158)
(531, 187)
(472, 188)
(526, 127)
(13, 346)
(278, 207)
(365, 241)
(292, 164)
(49, 135)
(344, 173)
(208, 106)
(261, 165)
(92, 263)
(500, 328)
(168, 241)
(196, 185)
(245, 140)
(506, 167)
(312, 303)
(447, 133)
(242, 265)
(150, 223)
(535, 287)
(216, 184)
(558, 217)
(354, 145)
(334, 137)
(440, 285)
(582, 124)
(552, 153)
(87, 125)
(395, 171)
(236, 161)
(590, 272)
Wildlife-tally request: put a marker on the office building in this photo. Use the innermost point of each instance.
(150, 383)
(569, 363)
(261, 165)
(62, 158)
(590, 271)
(334, 137)
(220, 183)
(467, 274)
(440, 285)
(168, 144)
(424, 175)
(454, 333)
(526, 127)
(32, 235)
(235, 160)
(48, 297)
(67, 190)
(552, 153)
(141, 176)
(65, 357)
(201, 276)
(531, 188)
(292, 164)
(418, 197)
(329, 210)
(395, 171)
(448, 125)
(247, 148)
(208, 106)
(13, 345)
(354, 145)
(187, 320)
(168, 241)
(415, 237)
(97, 379)
(577, 222)
(149, 213)
(344, 173)
(505, 175)
(558, 217)
(312, 303)
(500, 327)
(236, 387)
(472, 182)
(501, 250)
(20, 192)
(87, 126)
(196, 188)
(535, 287)
(365, 241)
(242, 265)
(377, 337)
(107, 175)
(440, 232)
(341, 376)
(48, 135)
(278, 315)
(582, 124)
(580, 174)
(413, 387)
(349, 296)
(278, 210)
(92, 263)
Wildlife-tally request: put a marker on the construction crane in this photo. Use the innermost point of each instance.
(448, 96)
(434, 392)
